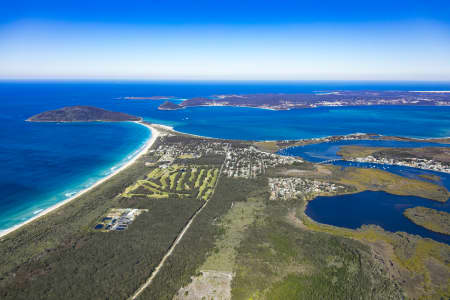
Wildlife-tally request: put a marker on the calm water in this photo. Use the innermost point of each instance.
(328, 151)
(380, 208)
(22, 100)
(413, 173)
(41, 164)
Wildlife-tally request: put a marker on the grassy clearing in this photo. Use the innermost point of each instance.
(214, 178)
(180, 183)
(204, 184)
(376, 180)
(351, 152)
(172, 180)
(155, 173)
(270, 146)
(431, 219)
(146, 184)
(207, 194)
(163, 180)
(153, 184)
(208, 183)
(162, 183)
(233, 224)
(193, 172)
(199, 178)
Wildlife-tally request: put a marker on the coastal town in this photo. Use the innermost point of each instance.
(225, 150)
(283, 144)
(302, 188)
(240, 160)
(165, 208)
(318, 99)
(250, 162)
(419, 163)
(168, 153)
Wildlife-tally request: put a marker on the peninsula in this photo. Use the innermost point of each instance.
(427, 158)
(318, 99)
(82, 114)
(431, 219)
(193, 217)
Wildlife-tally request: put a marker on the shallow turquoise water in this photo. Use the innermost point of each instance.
(57, 161)
(42, 164)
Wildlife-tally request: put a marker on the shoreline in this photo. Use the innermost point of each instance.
(389, 137)
(155, 133)
(148, 144)
(314, 106)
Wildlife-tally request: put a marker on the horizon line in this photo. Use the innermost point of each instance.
(220, 80)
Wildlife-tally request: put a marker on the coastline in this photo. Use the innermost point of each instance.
(149, 143)
(155, 133)
(310, 107)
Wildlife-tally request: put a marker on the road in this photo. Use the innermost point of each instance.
(175, 243)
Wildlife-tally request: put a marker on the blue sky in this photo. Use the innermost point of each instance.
(270, 40)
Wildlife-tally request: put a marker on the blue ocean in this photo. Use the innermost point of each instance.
(42, 164)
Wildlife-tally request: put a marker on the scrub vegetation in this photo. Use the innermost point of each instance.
(377, 180)
(281, 259)
(431, 219)
(418, 265)
(241, 244)
(441, 154)
(62, 256)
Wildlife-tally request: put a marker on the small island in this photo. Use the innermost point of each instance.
(81, 113)
(169, 106)
(431, 219)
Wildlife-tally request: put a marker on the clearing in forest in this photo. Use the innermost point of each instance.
(178, 181)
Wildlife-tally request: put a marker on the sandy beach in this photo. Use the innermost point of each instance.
(149, 143)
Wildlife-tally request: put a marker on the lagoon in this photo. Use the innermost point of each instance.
(379, 208)
(43, 164)
(328, 151)
(365, 208)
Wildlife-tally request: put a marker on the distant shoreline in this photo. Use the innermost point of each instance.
(345, 98)
(149, 143)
